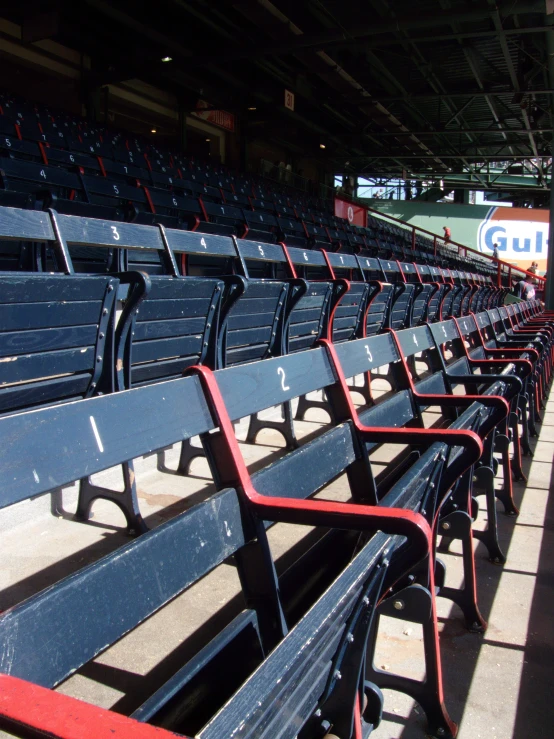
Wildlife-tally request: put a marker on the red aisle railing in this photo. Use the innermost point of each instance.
(500, 263)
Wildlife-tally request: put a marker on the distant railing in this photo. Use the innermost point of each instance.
(504, 269)
(285, 176)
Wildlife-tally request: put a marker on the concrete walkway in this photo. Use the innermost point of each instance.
(499, 685)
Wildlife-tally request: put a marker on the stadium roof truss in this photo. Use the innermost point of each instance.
(391, 87)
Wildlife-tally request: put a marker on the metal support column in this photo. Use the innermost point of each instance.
(549, 293)
(183, 128)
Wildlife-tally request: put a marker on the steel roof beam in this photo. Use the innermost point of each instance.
(477, 157)
(513, 76)
(327, 39)
(459, 94)
(452, 131)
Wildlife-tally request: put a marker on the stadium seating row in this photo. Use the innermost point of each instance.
(79, 169)
(83, 345)
(108, 300)
(298, 659)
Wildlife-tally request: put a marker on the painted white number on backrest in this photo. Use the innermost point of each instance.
(261, 250)
(281, 372)
(415, 340)
(203, 243)
(71, 158)
(368, 352)
(305, 256)
(8, 142)
(43, 173)
(175, 202)
(115, 233)
(367, 262)
(125, 168)
(116, 190)
(222, 209)
(341, 259)
(444, 330)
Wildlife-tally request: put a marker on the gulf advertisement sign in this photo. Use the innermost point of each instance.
(355, 214)
(521, 235)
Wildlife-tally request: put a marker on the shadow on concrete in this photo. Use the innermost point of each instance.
(460, 649)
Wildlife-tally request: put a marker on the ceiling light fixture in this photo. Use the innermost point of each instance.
(153, 130)
(167, 59)
(208, 139)
(322, 146)
(252, 108)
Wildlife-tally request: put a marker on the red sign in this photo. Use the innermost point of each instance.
(220, 118)
(289, 99)
(355, 214)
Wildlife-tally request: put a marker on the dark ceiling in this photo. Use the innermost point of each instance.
(404, 86)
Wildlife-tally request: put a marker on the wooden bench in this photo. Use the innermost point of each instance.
(324, 623)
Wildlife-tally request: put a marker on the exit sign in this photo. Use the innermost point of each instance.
(289, 99)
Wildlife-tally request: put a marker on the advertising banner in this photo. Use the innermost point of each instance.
(220, 118)
(521, 235)
(355, 214)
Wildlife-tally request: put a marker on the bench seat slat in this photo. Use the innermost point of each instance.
(31, 366)
(17, 342)
(50, 288)
(30, 394)
(166, 328)
(273, 689)
(44, 641)
(157, 349)
(166, 309)
(50, 315)
(129, 425)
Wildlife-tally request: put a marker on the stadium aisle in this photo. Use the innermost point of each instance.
(498, 685)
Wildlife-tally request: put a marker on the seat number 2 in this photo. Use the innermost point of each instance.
(281, 373)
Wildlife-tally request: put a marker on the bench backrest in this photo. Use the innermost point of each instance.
(104, 431)
(174, 326)
(56, 342)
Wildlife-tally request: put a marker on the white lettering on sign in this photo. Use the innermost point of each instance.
(115, 233)
(523, 239)
(368, 352)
